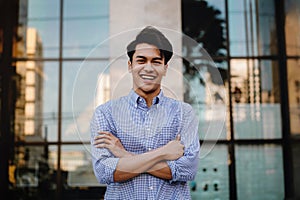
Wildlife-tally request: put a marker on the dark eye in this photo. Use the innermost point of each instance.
(157, 62)
(140, 61)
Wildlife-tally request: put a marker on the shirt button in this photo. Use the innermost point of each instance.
(150, 188)
(149, 149)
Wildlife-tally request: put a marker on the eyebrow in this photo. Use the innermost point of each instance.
(143, 57)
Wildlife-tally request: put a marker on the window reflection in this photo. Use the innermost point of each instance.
(33, 171)
(211, 181)
(252, 28)
(209, 33)
(254, 89)
(36, 105)
(259, 172)
(296, 167)
(294, 95)
(30, 78)
(205, 79)
(41, 17)
(292, 27)
(206, 92)
(76, 162)
(85, 86)
(255, 99)
(85, 26)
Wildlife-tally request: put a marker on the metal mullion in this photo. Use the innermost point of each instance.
(230, 144)
(270, 57)
(244, 141)
(59, 59)
(293, 57)
(59, 176)
(8, 24)
(286, 147)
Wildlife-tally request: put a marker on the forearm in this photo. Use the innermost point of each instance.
(161, 170)
(131, 166)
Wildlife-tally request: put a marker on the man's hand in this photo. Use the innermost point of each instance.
(113, 144)
(173, 149)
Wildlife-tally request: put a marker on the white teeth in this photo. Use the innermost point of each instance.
(147, 77)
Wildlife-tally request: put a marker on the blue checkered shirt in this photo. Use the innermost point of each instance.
(140, 129)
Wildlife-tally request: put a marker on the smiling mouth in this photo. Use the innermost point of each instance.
(147, 77)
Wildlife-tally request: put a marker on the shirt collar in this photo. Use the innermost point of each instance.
(134, 97)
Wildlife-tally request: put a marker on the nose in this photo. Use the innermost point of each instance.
(148, 67)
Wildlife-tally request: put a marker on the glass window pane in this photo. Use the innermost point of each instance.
(211, 181)
(76, 161)
(50, 108)
(256, 34)
(294, 95)
(205, 89)
(85, 85)
(209, 33)
(259, 172)
(255, 99)
(296, 168)
(32, 172)
(38, 29)
(85, 26)
(292, 27)
(237, 36)
(37, 101)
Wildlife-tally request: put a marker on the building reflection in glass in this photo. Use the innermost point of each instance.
(255, 99)
(47, 159)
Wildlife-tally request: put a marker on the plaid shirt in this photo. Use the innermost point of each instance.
(142, 129)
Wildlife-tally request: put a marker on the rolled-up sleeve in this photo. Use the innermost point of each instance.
(185, 168)
(104, 163)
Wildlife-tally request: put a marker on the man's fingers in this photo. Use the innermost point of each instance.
(104, 132)
(178, 137)
(102, 136)
(100, 145)
(101, 141)
(108, 134)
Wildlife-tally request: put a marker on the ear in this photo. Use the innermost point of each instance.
(165, 69)
(129, 66)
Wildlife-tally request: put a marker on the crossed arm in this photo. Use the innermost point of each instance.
(131, 165)
(112, 163)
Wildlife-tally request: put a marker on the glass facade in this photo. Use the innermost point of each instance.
(50, 159)
(244, 45)
(242, 77)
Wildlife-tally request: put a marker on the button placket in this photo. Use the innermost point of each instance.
(151, 188)
(147, 122)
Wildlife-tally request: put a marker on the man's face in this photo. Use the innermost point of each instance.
(147, 69)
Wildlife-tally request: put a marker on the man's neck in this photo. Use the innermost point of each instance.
(148, 96)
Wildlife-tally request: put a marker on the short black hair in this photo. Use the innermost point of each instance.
(153, 36)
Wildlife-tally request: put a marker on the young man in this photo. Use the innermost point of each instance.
(145, 145)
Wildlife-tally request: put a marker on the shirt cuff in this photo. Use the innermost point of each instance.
(172, 166)
(110, 167)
